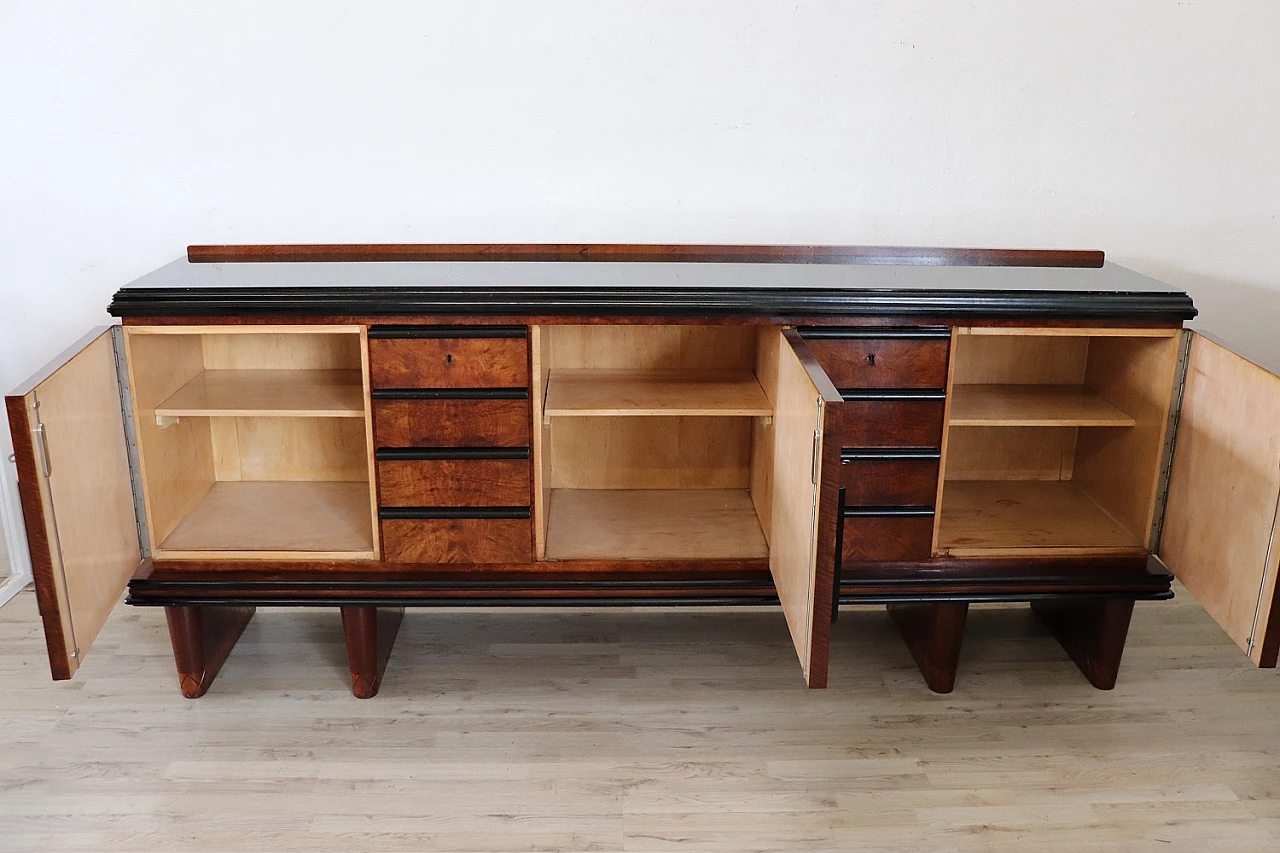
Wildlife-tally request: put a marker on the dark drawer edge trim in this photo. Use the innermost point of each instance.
(408, 332)
(860, 395)
(450, 393)
(888, 511)
(405, 513)
(499, 601)
(980, 598)
(616, 601)
(397, 454)
(888, 454)
(815, 333)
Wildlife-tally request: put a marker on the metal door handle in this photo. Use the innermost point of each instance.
(43, 446)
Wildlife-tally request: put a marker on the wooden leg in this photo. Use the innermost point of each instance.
(370, 634)
(934, 634)
(202, 637)
(1092, 632)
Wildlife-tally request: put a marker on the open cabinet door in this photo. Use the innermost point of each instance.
(1224, 490)
(803, 577)
(77, 498)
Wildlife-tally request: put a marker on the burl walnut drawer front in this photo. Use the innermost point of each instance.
(886, 534)
(880, 419)
(435, 478)
(889, 478)
(439, 421)
(452, 537)
(449, 357)
(886, 358)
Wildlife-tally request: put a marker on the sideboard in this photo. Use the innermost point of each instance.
(373, 427)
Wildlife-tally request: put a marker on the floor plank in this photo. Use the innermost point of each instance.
(638, 731)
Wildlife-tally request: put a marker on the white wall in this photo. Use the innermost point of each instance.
(1147, 128)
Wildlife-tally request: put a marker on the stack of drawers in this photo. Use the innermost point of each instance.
(452, 424)
(893, 383)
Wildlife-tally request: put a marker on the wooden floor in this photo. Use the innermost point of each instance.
(638, 731)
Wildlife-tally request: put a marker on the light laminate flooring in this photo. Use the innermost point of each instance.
(638, 731)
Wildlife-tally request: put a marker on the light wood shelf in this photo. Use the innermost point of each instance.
(653, 524)
(328, 518)
(1024, 517)
(268, 393)
(611, 393)
(1033, 406)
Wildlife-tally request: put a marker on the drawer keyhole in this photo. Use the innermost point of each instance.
(871, 359)
(448, 358)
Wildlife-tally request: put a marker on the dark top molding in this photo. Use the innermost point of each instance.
(686, 302)
(643, 253)
(791, 284)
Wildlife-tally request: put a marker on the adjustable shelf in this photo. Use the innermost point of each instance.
(1033, 406)
(613, 393)
(267, 393)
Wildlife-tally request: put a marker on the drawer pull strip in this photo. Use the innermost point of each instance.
(860, 395)
(888, 454)
(888, 511)
(420, 332)
(864, 332)
(397, 513)
(450, 393)
(394, 454)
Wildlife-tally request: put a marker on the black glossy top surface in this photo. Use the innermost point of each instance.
(632, 289)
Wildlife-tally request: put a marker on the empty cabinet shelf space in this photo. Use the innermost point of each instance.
(1054, 440)
(253, 441)
(650, 436)
(802, 428)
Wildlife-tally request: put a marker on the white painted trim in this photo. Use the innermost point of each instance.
(15, 537)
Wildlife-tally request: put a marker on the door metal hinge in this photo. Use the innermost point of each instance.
(42, 447)
(817, 452)
(1170, 440)
(46, 470)
(1267, 569)
(131, 441)
(816, 467)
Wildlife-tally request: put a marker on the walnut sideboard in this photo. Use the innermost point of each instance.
(374, 427)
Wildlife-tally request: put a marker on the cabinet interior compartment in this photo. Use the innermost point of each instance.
(654, 442)
(254, 441)
(1054, 440)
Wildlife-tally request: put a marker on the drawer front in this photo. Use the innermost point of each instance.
(453, 482)
(870, 480)
(887, 362)
(451, 423)
(457, 540)
(433, 359)
(886, 538)
(889, 423)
